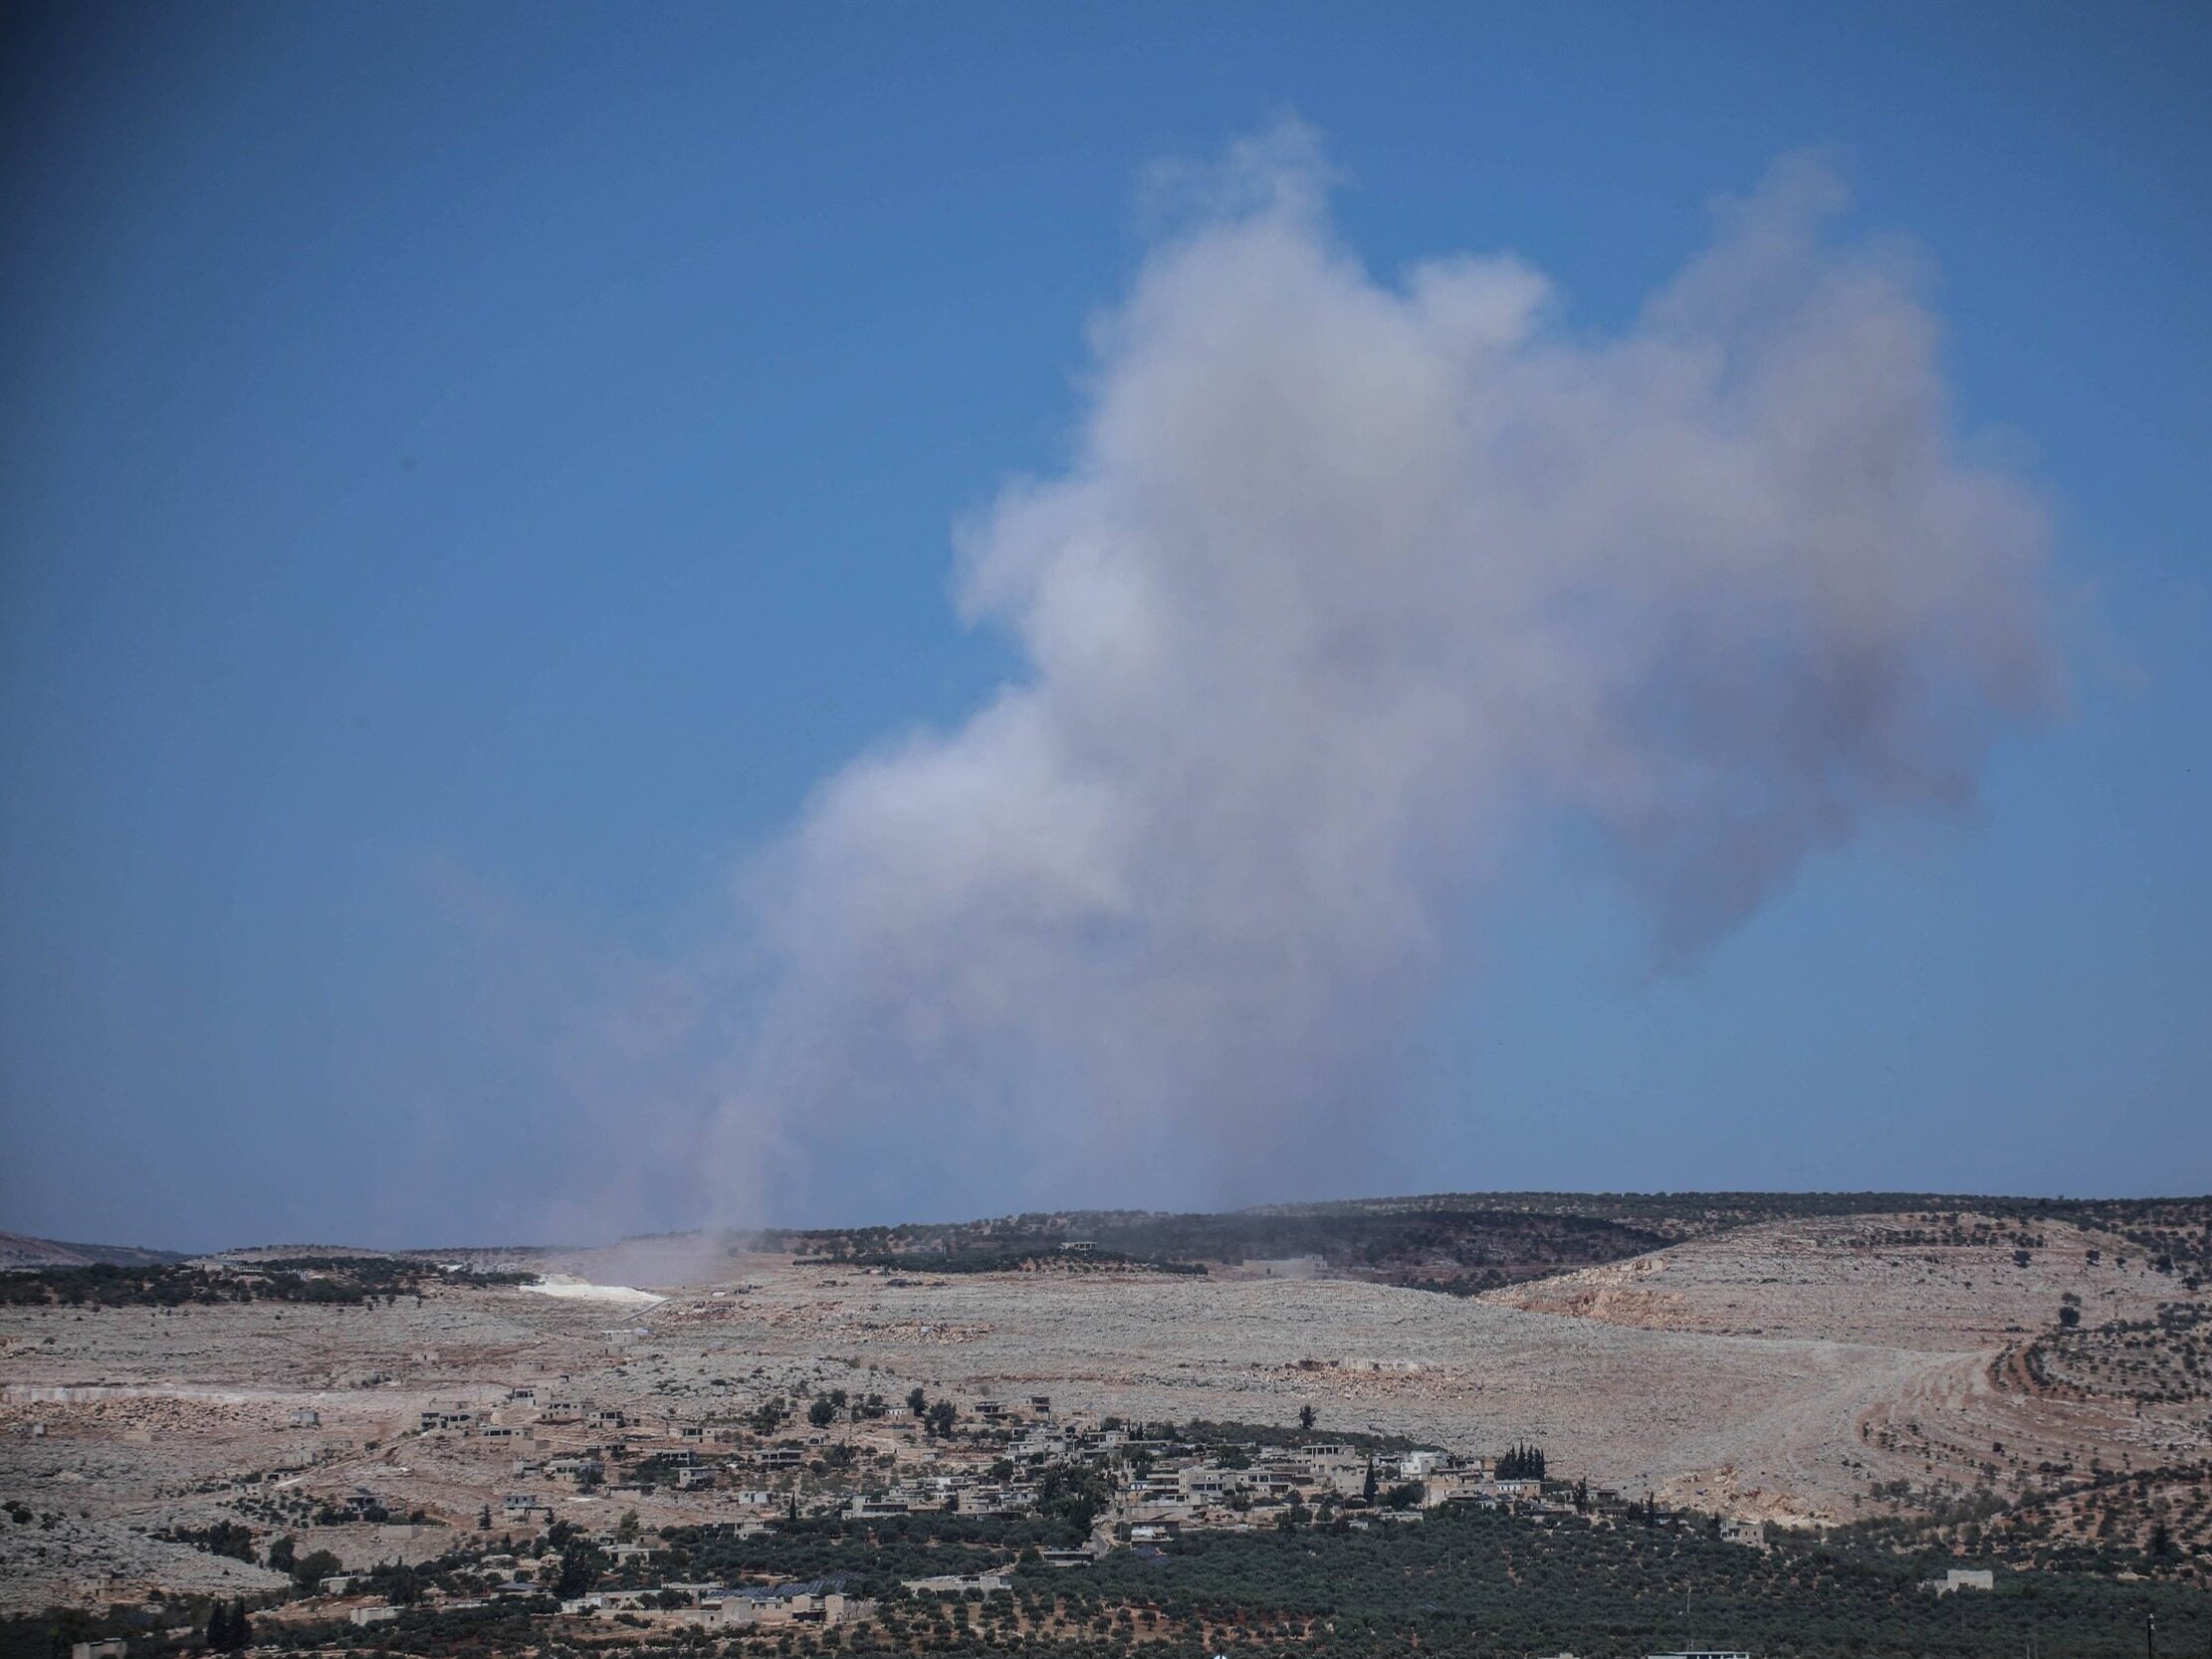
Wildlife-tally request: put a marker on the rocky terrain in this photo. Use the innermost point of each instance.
(1828, 1370)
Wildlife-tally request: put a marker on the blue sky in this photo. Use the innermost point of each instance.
(470, 472)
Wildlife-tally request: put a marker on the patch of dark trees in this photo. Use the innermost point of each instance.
(348, 1280)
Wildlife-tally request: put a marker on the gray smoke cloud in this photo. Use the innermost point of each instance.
(1349, 585)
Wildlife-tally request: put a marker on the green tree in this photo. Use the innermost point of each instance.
(580, 1565)
(1305, 1417)
(822, 1412)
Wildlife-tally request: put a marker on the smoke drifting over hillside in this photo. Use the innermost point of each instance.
(1350, 583)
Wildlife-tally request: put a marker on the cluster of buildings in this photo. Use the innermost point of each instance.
(1169, 1485)
(882, 1462)
(819, 1602)
(999, 1456)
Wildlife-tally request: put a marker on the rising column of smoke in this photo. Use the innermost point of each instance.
(1348, 582)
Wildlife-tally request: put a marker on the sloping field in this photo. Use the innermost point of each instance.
(1947, 1283)
(1976, 1297)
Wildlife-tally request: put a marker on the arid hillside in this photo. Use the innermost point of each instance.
(1924, 1371)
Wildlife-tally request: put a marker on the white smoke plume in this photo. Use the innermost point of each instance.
(1349, 583)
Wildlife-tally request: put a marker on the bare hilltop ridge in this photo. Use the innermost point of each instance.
(2011, 1383)
(18, 1251)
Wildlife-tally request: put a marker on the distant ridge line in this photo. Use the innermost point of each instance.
(20, 1250)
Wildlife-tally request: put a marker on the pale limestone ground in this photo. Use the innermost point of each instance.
(1776, 1372)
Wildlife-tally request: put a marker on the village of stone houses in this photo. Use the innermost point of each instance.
(1482, 1425)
